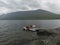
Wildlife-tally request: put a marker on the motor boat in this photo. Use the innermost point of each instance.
(30, 28)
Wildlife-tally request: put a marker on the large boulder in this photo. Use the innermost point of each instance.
(45, 32)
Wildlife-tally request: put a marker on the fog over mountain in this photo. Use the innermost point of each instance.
(7, 6)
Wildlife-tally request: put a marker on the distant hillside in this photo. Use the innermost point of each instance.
(36, 14)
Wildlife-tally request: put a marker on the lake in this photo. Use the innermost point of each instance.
(11, 32)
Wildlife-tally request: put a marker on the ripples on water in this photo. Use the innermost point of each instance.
(11, 33)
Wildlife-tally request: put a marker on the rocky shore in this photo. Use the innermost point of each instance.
(20, 37)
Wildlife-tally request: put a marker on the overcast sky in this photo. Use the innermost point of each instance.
(24, 5)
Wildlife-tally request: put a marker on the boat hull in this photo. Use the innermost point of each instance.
(30, 29)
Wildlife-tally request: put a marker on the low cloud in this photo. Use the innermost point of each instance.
(7, 6)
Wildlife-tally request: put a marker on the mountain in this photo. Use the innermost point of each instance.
(35, 14)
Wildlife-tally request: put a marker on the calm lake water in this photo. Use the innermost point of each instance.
(11, 32)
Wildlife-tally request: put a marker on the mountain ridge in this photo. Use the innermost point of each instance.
(35, 14)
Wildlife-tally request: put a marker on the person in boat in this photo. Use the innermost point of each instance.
(32, 26)
(29, 27)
